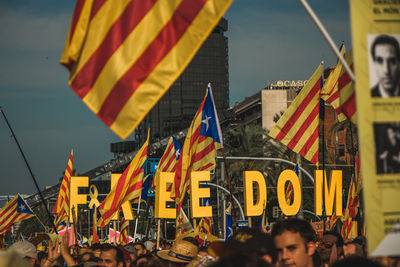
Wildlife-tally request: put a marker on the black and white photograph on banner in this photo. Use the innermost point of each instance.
(384, 65)
(387, 147)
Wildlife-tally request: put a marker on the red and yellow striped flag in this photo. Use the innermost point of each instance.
(298, 126)
(289, 193)
(353, 202)
(203, 139)
(62, 202)
(339, 91)
(123, 235)
(169, 159)
(124, 55)
(129, 186)
(60, 222)
(15, 210)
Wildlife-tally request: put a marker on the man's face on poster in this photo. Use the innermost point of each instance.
(387, 66)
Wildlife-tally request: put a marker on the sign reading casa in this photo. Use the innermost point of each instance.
(253, 203)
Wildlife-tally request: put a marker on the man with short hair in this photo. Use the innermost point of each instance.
(295, 242)
(111, 256)
(330, 247)
(385, 53)
(140, 248)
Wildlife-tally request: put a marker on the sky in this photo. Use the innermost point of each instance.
(268, 40)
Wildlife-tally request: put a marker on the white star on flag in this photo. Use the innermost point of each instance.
(22, 207)
(177, 154)
(206, 122)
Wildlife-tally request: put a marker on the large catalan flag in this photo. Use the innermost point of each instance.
(15, 210)
(298, 126)
(62, 202)
(129, 186)
(124, 55)
(199, 150)
(339, 91)
(170, 157)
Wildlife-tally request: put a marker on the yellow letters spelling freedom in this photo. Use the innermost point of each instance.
(124, 55)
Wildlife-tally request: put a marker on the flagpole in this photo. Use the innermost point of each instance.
(158, 233)
(29, 169)
(45, 228)
(137, 218)
(322, 118)
(229, 186)
(327, 37)
(115, 231)
(224, 218)
(300, 214)
(194, 223)
(95, 237)
(74, 224)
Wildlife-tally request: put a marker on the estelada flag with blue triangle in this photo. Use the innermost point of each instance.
(199, 150)
(15, 210)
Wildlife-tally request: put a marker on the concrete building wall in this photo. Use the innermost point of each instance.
(273, 102)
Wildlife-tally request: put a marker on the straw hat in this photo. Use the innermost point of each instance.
(181, 251)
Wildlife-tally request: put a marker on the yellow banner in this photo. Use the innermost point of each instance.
(376, 38)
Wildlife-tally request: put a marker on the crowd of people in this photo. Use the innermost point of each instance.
(291, 242)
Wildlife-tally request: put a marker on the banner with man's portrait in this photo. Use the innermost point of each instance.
(376, 39)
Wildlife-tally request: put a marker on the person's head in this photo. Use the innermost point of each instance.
(85, 254)
(111, 256)
(165, 244)
(142, 260)
(132, 252)
(251, 241)
(149, 245)
(295, 242)
(385, 53)
(140, 248)
(354, 247)
(26, 250)
(96, 249)
(325, 247)
(12, 259)
(240, 260)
